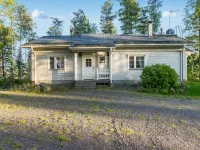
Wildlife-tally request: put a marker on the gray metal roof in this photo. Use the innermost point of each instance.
(106, 40)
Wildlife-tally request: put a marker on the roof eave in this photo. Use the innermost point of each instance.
(182, 44)
(40, 46)
(89, 48)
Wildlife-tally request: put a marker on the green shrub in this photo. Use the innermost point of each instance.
(161, 78)
(182, 88)
(45, 88)
(5, 83)
(32, 87)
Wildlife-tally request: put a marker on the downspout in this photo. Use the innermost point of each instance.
(110, 64)
(183, 62)
(181, 66)
(34, 62)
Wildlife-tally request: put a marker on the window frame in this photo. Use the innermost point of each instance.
(49, 63)
(135, 62)
(88, 62)
(55, 62)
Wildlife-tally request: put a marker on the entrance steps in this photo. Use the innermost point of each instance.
(86, 84)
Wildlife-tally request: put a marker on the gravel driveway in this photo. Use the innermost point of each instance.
(98, 119)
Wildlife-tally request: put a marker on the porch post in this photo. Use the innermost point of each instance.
(75, 67)
(110, 64)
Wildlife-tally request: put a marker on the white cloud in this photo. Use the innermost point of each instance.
(59, 17)
(166, 14)
(39, 14)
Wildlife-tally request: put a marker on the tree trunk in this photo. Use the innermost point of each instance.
(12, 49)
(3, 68)
(20, 60)
(199, 48)
(2, 58)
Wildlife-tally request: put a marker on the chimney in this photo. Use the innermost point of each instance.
(150, 28)
(161, 31)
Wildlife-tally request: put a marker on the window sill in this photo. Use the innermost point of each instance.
(136, 69)
(56, 69)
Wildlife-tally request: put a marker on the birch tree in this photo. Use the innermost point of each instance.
(7, 8)
(24, 26)
(192, 23)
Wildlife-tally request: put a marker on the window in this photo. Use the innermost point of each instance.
(56, 63)
(132, 62)
(140, 62)
(88, 62)
(102, 59)
(51, 59)
(60, 62)
(136, 62)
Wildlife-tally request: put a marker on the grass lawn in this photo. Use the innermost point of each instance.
(98, 119)
(194, 89)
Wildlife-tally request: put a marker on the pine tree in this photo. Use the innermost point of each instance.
(107, 17)
(81, 24)
(192, 22)
(128, 15)
(155, 13)
(142, 21)
(56, 28)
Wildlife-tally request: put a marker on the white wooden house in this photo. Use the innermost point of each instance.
(104, 57)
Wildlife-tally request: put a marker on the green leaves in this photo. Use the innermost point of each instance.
(56, 29)
(162, 78)
(193, 66)
(135, 19)
(107, 17)
(192, 19)
(155, 13)
(142, 21)
(128, 15)
(81, 24)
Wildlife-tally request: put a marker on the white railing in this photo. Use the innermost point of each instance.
(103, 74)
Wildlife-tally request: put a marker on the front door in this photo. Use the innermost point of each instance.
(89, 69)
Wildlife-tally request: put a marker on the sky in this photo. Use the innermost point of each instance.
(42, 10)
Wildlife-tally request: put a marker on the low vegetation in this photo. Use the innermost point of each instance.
(193, 89)
(161, 78)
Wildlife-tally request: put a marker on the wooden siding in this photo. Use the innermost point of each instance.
(121, 70)
(120, 64)
(32, 66)
(184, 65)
(44, 74)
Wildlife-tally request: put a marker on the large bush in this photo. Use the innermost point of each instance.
(161, 78)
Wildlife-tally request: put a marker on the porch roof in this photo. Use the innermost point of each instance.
(106, 40)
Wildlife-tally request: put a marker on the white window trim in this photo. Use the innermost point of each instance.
(55, 62)
(136, 55)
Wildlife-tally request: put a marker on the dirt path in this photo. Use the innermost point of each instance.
(98, 119)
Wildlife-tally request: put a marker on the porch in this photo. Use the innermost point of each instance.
(93, 66)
